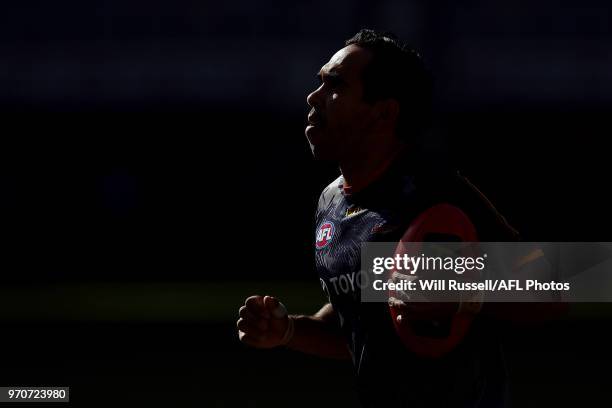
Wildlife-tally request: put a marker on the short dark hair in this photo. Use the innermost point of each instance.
(397, 71)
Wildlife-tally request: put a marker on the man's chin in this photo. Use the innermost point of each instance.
(312, 132)
(315, 135)
(316, 140)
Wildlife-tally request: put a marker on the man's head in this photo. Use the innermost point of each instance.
(373, 91)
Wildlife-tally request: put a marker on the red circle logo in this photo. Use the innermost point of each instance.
(324, 234)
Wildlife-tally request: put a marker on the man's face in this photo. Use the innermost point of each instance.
(339, 117)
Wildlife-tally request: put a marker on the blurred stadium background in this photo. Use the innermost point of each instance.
(153, 173)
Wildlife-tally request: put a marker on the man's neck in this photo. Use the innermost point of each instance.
(358, 174)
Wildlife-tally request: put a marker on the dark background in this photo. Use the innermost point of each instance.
(154, 172)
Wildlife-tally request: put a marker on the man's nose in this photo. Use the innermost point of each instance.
(312, 98)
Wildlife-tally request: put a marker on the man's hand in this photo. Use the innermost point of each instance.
(263, 322)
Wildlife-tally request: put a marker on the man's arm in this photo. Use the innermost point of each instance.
(263, 323)
(319, 334)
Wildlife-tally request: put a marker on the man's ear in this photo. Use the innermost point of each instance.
(387, 113)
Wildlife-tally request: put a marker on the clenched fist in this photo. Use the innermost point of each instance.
(264, 322)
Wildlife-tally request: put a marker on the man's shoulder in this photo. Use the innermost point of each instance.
(492, 225)
(458, 191)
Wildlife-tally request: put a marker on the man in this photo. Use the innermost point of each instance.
(367, 115)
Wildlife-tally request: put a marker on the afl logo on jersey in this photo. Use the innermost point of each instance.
(324, 234)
